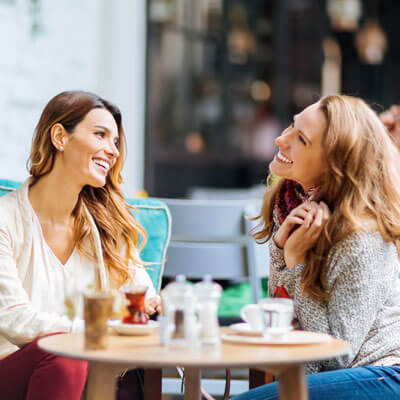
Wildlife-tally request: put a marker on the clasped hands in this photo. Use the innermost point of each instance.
(300, 231)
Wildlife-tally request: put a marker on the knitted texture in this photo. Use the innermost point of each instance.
(364, 299)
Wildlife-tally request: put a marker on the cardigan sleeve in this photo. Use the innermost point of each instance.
(20, 321)
(139, 276)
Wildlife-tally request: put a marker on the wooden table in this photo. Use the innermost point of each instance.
(127, 352)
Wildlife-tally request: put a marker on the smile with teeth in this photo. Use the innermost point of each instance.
(104, 164)
(282, 158)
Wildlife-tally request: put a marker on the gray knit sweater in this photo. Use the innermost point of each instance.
(364, 299)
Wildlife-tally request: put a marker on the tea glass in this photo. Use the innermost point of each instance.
(136, 297)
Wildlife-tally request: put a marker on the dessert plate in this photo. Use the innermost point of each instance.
(291, 338)
(133, 329)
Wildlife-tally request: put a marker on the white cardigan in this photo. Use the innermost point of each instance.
(33, 282)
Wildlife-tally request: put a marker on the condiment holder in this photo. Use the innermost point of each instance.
(190, 315)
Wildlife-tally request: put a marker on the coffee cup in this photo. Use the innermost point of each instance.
(251, 313)
(271, 316)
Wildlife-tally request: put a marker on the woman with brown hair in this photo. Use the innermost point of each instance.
(68, 223)
(334, 223)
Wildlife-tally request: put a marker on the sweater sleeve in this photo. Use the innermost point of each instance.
(20, 322)
(358, 288)
(277, 264)
(360, 271)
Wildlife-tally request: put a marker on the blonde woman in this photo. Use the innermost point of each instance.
(67, 223)
(334, 220)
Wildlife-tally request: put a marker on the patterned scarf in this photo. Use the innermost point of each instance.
(289, 196)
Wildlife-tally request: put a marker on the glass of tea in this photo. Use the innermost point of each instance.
(135, 296)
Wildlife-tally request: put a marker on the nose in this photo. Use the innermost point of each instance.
(280, 141)
(112, 149)
(283, 139)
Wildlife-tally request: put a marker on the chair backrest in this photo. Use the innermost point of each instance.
(211, 236)
(7, 186)
(155, 218)
(211, 193)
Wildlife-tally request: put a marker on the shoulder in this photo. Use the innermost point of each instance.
(12, 226)
(9, 206)
(363, 251)
(15, 214)
(363, 242)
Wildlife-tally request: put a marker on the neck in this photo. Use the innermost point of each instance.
(53, 198)
(309, 190)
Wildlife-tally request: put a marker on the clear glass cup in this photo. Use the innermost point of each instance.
(136, 305)
(277, 316)
(98, 307)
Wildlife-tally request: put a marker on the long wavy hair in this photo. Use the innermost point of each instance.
(117, 227)
(362, 184)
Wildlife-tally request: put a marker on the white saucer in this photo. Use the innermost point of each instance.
(244, 329)
(133, 329)
(291, 338)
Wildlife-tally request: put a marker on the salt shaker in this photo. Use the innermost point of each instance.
(208, 294)
(178, 299)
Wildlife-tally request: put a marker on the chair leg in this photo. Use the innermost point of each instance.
(152, 384)
(258, 378)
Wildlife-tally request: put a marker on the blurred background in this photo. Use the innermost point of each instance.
(205, 86)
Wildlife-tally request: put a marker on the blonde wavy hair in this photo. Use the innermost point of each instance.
(117, 227)
(362, 184)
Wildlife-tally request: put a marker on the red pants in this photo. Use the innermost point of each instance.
(32, 374)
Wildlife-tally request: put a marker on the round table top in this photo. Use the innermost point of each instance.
(145, 351)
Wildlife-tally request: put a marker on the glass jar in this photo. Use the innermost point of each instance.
(208, 294)
(179, 308)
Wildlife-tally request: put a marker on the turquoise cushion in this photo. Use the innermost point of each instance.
(155, 218)
(7, 185)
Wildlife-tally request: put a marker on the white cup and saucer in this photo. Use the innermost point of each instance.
(271, 317)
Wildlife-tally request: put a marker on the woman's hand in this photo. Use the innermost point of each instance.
(152, 305)
(304, 238)
(296, 217)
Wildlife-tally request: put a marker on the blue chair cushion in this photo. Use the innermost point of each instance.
(7, 185)
(155, 218)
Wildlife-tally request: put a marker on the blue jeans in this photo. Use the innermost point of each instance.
(362, 383)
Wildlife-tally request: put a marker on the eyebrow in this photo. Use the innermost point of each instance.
(102, 127)
(302, 133)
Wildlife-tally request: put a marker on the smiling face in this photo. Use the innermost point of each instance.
(92, 149)
(300, 156)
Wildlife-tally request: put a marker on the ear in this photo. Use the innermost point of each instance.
(58, 136)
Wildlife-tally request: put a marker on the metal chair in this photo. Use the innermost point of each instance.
(211, 236)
